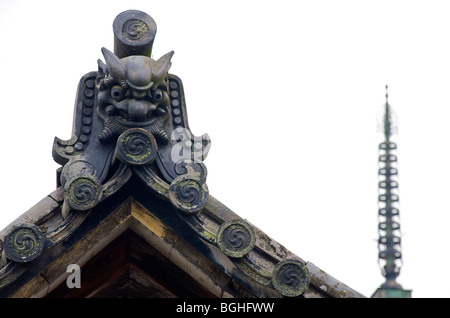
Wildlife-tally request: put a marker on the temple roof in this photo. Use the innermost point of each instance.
(191, 249)
(131, 206)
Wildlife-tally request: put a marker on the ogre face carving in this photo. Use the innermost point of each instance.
(133, 92)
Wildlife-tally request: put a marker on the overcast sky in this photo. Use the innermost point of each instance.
(288, 91)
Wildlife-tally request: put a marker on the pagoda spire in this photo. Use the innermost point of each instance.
(389, 241)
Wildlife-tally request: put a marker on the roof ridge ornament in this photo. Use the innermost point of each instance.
(131, 111)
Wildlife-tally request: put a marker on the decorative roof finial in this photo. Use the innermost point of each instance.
(389, 227)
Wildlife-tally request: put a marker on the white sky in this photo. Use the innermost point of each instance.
(289, 92)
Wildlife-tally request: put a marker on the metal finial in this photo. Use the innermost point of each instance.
(389, 241)
(389, 227)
